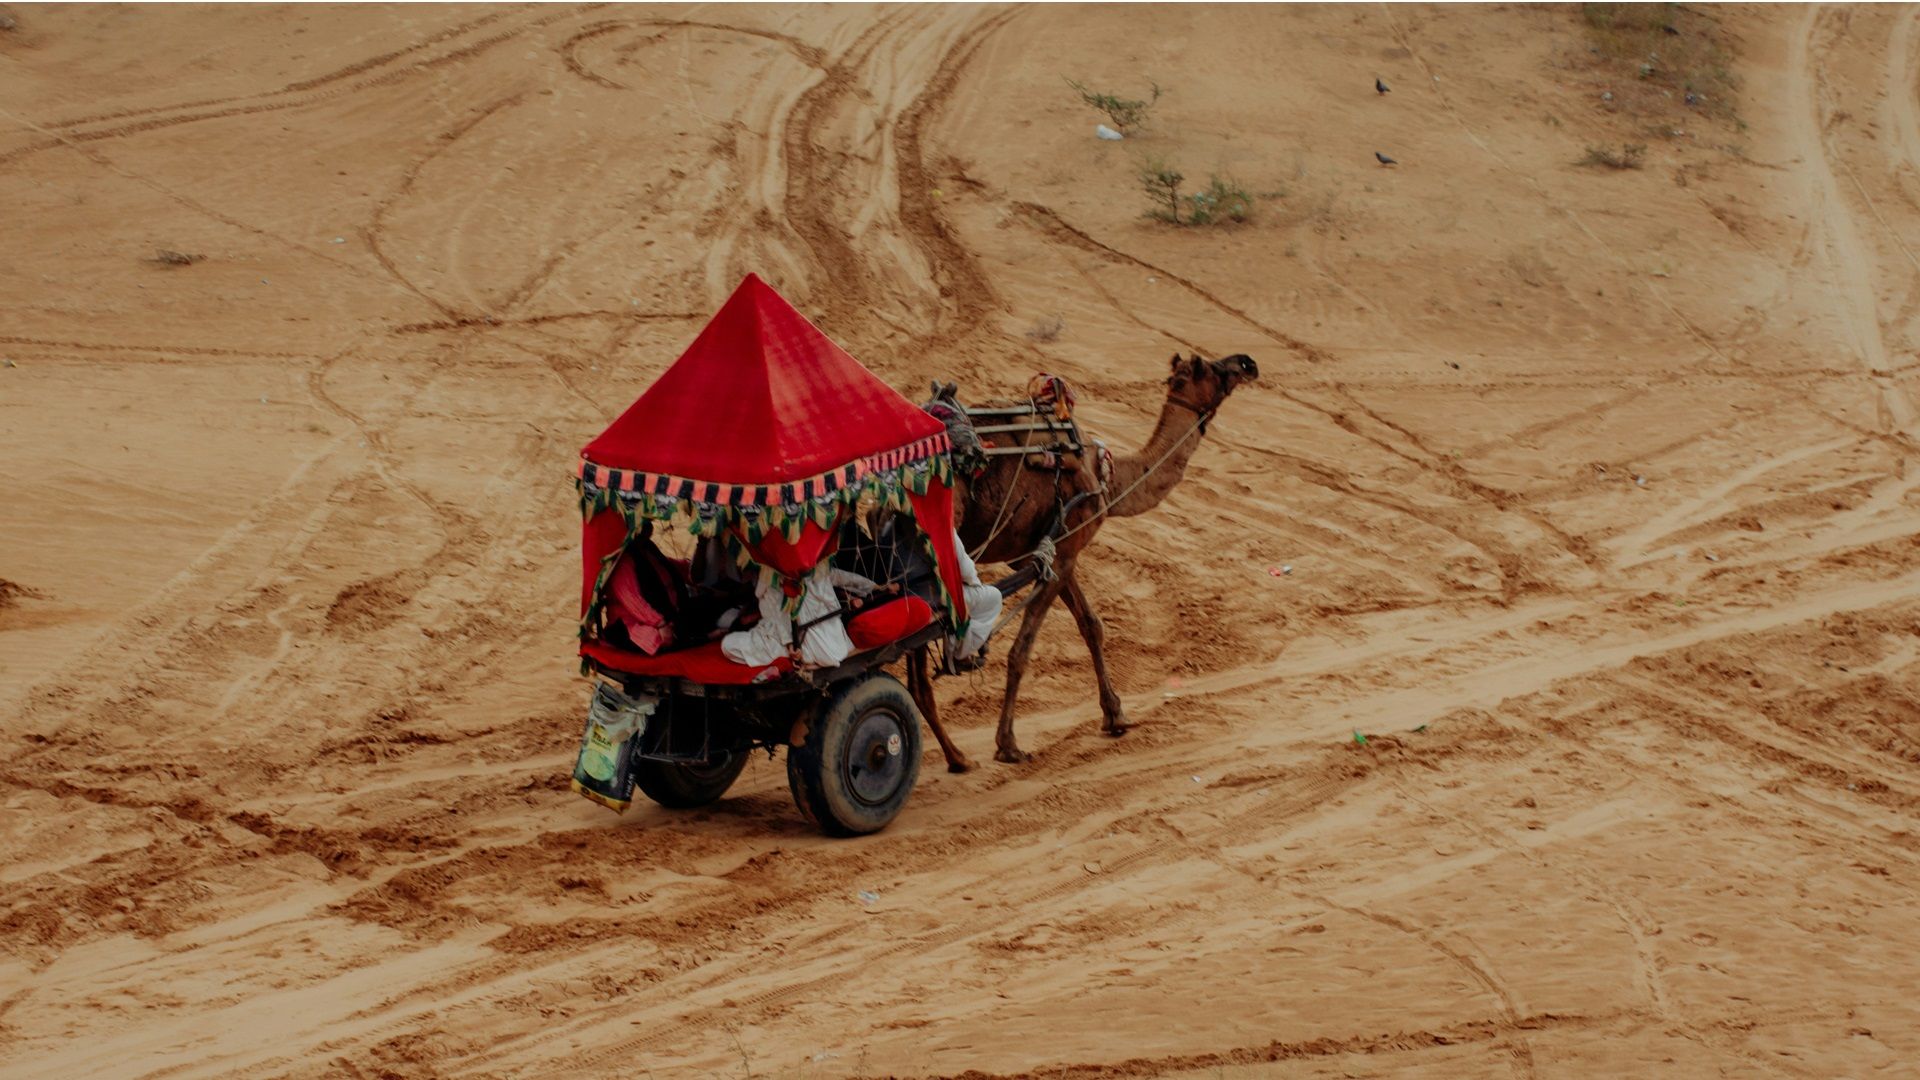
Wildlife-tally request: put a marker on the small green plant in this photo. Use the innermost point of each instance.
(1126, 115)
(1222, 201)
(1161, 182)
(1630, 156)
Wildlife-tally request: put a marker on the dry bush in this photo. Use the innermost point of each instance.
(1126, 115)
(1047, 329)
(1627, 157)
(1161, 182)
(170, 257)
(1223, 201)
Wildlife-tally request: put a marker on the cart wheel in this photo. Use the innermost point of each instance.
(860, 759)
(683, 787)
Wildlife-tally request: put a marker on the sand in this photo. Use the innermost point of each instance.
(1597, 488)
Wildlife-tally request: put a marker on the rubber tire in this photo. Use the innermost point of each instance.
(684, 787)
(821, 788)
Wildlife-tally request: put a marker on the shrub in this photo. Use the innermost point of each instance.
(1161, 182)
(1127, 116)
(1628, 157)
(1222, 201)
(1047, 329)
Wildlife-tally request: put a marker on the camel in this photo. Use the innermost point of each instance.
(1006, 512)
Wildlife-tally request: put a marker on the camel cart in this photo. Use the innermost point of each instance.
(769, 445)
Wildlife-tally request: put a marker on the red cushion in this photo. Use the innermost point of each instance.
(702, 663)
(888, 622)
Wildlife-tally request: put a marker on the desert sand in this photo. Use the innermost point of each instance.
(1597, 487)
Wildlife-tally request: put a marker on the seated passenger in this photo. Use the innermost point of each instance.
(822, 636)
(904, 548)
(646, 592)
(983, 603)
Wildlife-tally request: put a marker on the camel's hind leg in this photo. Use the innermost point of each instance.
(920, 685)
(1113, 718)
(1004, 747)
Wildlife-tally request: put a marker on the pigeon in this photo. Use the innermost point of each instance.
(1384, 159)
(1380, 87)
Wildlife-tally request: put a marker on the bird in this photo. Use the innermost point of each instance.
(1380, 87)
(1384, 159)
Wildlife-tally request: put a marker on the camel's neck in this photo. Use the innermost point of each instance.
(1174, 440)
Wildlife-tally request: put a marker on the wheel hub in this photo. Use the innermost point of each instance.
(875, 764)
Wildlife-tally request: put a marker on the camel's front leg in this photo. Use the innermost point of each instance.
(920, 685)
(1113, 718)
(1004, 747)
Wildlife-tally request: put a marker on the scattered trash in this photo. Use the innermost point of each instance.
(1263, 791)
(1712, 557)
(869, 897)
(1692, 98)
(1359, 739)
(1280, 571)
(1107, 133)
(263, 281)
(1151, 279)
(936, 193)
(1608, 96)
(263, 399)
(1091, 867)
(1174, 681)
(339, 239)
(1197, 780)
(12, 364)
(1639, 480)
(818, 1055)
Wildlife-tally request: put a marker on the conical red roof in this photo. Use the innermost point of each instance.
(761, 397)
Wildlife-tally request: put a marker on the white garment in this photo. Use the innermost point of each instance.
(983, 601)
(824, 644)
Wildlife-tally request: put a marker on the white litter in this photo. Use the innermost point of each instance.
(868, 897)
(1640, 480)
(339, 239)
(1107, 133)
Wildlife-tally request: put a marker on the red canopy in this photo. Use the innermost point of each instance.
(761, 398)
(763, 417)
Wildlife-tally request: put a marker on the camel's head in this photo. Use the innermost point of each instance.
(1202, 385)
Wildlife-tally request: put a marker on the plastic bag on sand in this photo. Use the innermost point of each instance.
(603, 772)
(1107, 133)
